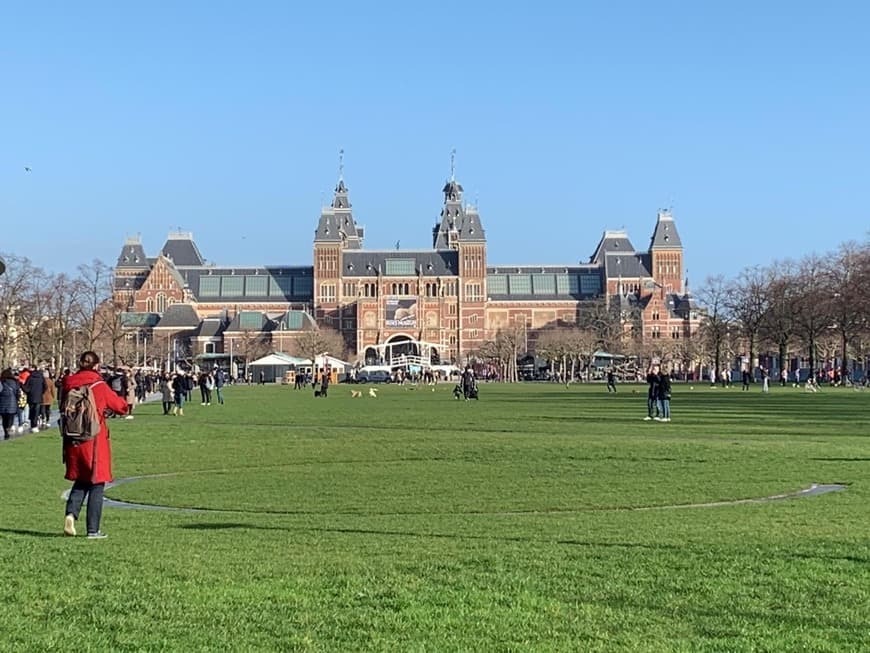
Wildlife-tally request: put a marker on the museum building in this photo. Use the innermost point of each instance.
(438, 305)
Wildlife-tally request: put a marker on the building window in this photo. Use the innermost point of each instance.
(149, 305)
(161, 302)
(209, 348)
(472, 333)
(327, 292)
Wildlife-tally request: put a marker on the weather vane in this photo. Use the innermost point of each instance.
(341, 164)
(453, 164)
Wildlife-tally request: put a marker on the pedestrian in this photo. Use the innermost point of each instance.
(166, 392)
(765, 379)
(324, 382)
(652, 379)
(131, 393)
(219, 381)
(747, 377)
(89, 463)
(663, 392)
(611, 381)
(9, 389)
(33, 388)
(783, 377)
(48, 395)
(179, 392)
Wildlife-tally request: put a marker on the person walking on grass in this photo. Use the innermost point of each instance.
(179, 393)
(33, 388)
(89, 463)
(48, 395)
(765, 379)
(611, 381)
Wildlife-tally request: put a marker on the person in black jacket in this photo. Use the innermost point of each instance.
(652, 394)
(664, 397)
(33, 388)
(9, 388)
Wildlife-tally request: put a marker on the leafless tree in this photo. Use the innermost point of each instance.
(847, 280)
(812, 306)
(716, 322)
(747, 303)
(778, 324)
(311, 344)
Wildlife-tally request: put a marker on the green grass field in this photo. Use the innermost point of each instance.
(414, 522)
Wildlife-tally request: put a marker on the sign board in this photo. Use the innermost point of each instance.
(401, 312)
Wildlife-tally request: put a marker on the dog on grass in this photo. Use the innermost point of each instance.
(373, 393)
(356, 393)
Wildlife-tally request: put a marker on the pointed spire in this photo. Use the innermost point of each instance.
(341, 164)
(453, 164)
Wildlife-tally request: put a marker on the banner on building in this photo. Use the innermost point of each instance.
(401, 313)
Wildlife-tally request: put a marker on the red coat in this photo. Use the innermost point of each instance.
(91, 461)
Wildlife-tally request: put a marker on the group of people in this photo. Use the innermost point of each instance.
(31, 391)
(176, 389)
(658, 394)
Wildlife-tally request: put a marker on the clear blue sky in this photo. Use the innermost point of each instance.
(750, 119)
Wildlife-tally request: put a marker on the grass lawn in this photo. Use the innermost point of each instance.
(414, 522)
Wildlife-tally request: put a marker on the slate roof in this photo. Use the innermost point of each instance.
(336, 224)
(431, 263)
(132, 255)
(665, 235)
(611, 242)
(626, 266)
(181, 249)
(210, 327)
(680, 306)
(465, 221)
(178, 316)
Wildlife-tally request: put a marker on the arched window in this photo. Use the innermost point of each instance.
(161, 302)
(149, 305)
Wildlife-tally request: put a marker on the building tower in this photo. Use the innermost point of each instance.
(666, 254)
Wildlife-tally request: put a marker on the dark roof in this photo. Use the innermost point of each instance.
(429, 263)
(681, 305)
(178, 316)
(665, 235)
(130, 280)
(612, 241)
(210, 327)
(181, 250)
(455, 217)
(132, 255)
(626, 266)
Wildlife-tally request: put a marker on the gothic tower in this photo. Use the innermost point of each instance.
(666, 254)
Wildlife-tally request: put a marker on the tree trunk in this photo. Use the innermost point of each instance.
(843, 366)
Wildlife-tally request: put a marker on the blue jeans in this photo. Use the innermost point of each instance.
(219, 394)
(652, 406)
(664, 406)
(94, 492)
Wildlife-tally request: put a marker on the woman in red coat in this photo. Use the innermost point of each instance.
(89, 464)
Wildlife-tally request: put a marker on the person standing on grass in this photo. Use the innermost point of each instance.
(166, 392)
(47, 399)
(611, 381)
(765, 379)
(663, 391)
(219, 381)
(652, 379)
(89, 463)
(179, 393)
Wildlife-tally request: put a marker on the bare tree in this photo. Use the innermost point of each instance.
(311, 344)
(778, 324)
(847, 279)
(715, 323)
(748, 303)
(15, 288)
(812, 317)
(95, 290)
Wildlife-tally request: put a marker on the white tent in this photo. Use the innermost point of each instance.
(274, 365)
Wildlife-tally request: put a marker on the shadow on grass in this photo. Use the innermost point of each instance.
(23, 531)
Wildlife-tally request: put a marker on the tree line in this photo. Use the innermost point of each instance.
(816, 309)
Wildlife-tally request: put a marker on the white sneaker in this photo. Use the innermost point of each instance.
(21, 429)
(128, 417)
(647, 418)
(35, 429)
(69, 525)
(658, 419)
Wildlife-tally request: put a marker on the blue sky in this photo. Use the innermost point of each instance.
(225, 119)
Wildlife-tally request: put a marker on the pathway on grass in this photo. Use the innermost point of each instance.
(813, 490)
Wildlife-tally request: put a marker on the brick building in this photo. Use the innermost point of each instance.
(440, 304)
